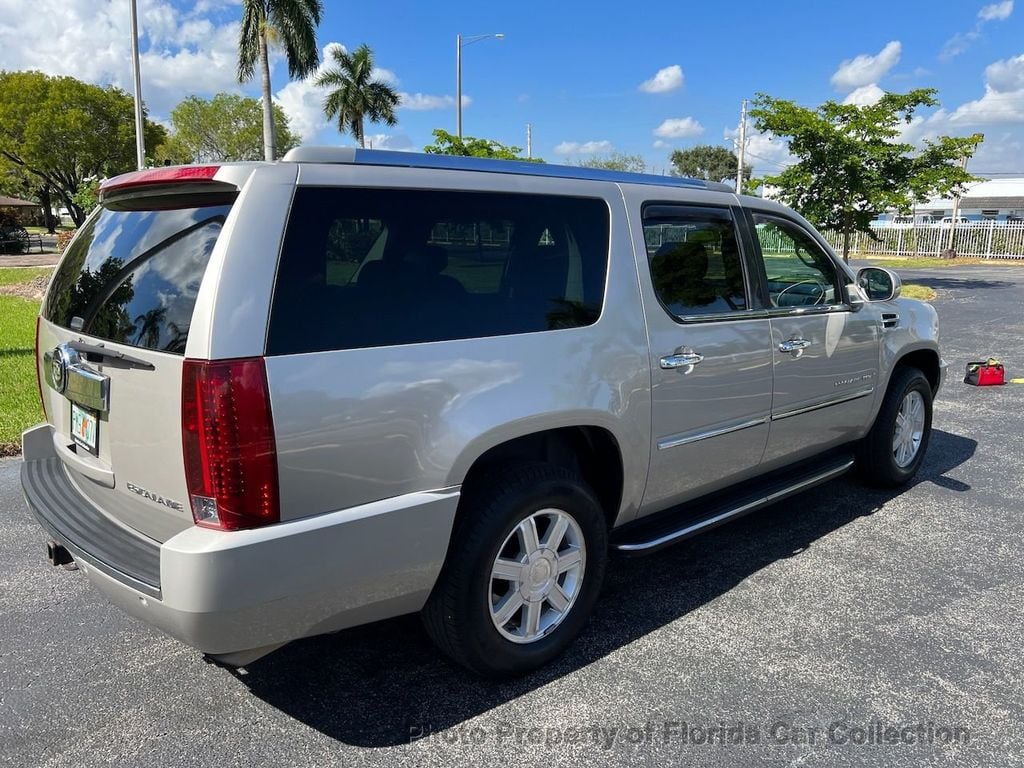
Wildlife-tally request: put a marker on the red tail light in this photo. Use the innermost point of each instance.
(170, 175)
(39, 378)
(230, 455)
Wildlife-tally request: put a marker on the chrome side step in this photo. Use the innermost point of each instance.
(739, 508)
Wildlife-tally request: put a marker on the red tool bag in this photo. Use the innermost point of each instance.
(985, 373)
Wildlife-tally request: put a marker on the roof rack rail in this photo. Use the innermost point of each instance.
(384, 157)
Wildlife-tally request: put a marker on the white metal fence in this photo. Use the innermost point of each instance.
(985, 239)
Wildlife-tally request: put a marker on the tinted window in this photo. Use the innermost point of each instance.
(799, 271)
(694, 259)
(369, 268)
(132, 276)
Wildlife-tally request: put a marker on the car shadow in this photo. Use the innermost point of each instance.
(384, 684)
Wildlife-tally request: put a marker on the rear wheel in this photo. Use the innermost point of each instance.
(523, 571)
(892, 452)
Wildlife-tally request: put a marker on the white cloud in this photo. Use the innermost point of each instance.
(399, 142)
(184, 51)
(421, 102)
(659, 144)
(865, 95)
(767, 154)
(584, 148)
(961, 41)
(996, 11)
(866, 69)
(1006, 75)
(679, 128)
(664, 80)
(303, 102)
(382, 75)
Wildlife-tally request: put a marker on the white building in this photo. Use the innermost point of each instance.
(996, 199)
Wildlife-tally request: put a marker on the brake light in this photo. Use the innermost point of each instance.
(228, 440)
(39, 378)
(168, 175)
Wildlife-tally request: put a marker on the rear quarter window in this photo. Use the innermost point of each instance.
(378, 267)
(132, 276)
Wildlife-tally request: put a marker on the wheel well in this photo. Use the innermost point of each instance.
(592, 452)
(926, 361)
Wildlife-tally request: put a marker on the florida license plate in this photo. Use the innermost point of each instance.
(84, 427)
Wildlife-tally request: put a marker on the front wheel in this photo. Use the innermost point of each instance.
(892, 452)
(523, 571)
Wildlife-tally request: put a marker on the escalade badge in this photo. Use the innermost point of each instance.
(175, 505)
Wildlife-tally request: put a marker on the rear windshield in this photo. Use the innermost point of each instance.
(132, 275)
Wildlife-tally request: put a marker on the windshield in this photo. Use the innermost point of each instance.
(132, 276)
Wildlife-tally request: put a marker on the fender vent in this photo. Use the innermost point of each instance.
(890, 320)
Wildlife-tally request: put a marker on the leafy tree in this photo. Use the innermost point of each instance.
(226, 127)
(87, 196)
(708, 162)
(59, 131)
(292, 24)
(449, 144)
(616, 161)
(354, 95)
(852, 165)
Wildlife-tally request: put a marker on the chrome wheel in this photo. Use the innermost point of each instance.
(537, 575)
(909, 430)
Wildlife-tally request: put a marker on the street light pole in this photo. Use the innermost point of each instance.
(458, 72)
(140, 138)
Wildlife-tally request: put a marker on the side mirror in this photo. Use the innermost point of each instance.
(879, 284)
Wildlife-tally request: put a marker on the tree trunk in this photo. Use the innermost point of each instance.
(362, 135)
(44, 198)
(846, 245)
(269, 150)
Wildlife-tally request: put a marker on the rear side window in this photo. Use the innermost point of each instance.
(377, 267)
(132, 276)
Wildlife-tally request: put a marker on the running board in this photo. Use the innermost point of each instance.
(643, 537)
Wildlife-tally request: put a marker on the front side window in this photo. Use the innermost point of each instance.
(379, 267)
(800, 273)
(694, 259)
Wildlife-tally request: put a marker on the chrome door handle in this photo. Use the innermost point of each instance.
(794, 345)
(681, 360)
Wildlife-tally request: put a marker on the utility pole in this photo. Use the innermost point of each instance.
(140, 138)
(529, 141)
(458, 85)
(956, 210)
(742, 148)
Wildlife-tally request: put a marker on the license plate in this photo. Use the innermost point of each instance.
(84, 427)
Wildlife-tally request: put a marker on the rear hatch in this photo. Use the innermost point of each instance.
(112, 336)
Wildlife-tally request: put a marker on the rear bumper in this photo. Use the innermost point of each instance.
(229, 592)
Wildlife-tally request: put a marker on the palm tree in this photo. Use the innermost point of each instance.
(355, 95)
(292, 23)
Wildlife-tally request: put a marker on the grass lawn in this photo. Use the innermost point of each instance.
(929, 262)
(915, 291)
(19, 394)
(12, 275)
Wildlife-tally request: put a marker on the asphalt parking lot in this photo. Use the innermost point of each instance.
(806, 629)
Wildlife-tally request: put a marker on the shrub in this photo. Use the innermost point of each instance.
(63, 238)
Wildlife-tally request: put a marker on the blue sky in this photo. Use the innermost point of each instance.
(575, 70)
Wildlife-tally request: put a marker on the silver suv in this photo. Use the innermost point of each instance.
(284, 399)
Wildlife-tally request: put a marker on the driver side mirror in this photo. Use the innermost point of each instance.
(879, 284)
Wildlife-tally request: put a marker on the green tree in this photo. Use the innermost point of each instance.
(226, 127)
(60, 131)
(708, 162)
(616, 161)
(449, 144)
(852, 165)
(355, 95)
(292, 24)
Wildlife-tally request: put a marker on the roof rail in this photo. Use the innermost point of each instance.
(384, 157)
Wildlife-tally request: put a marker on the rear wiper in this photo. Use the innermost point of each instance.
(110, 354)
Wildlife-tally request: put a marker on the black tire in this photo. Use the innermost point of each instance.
(876, 460)
(457, 615)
